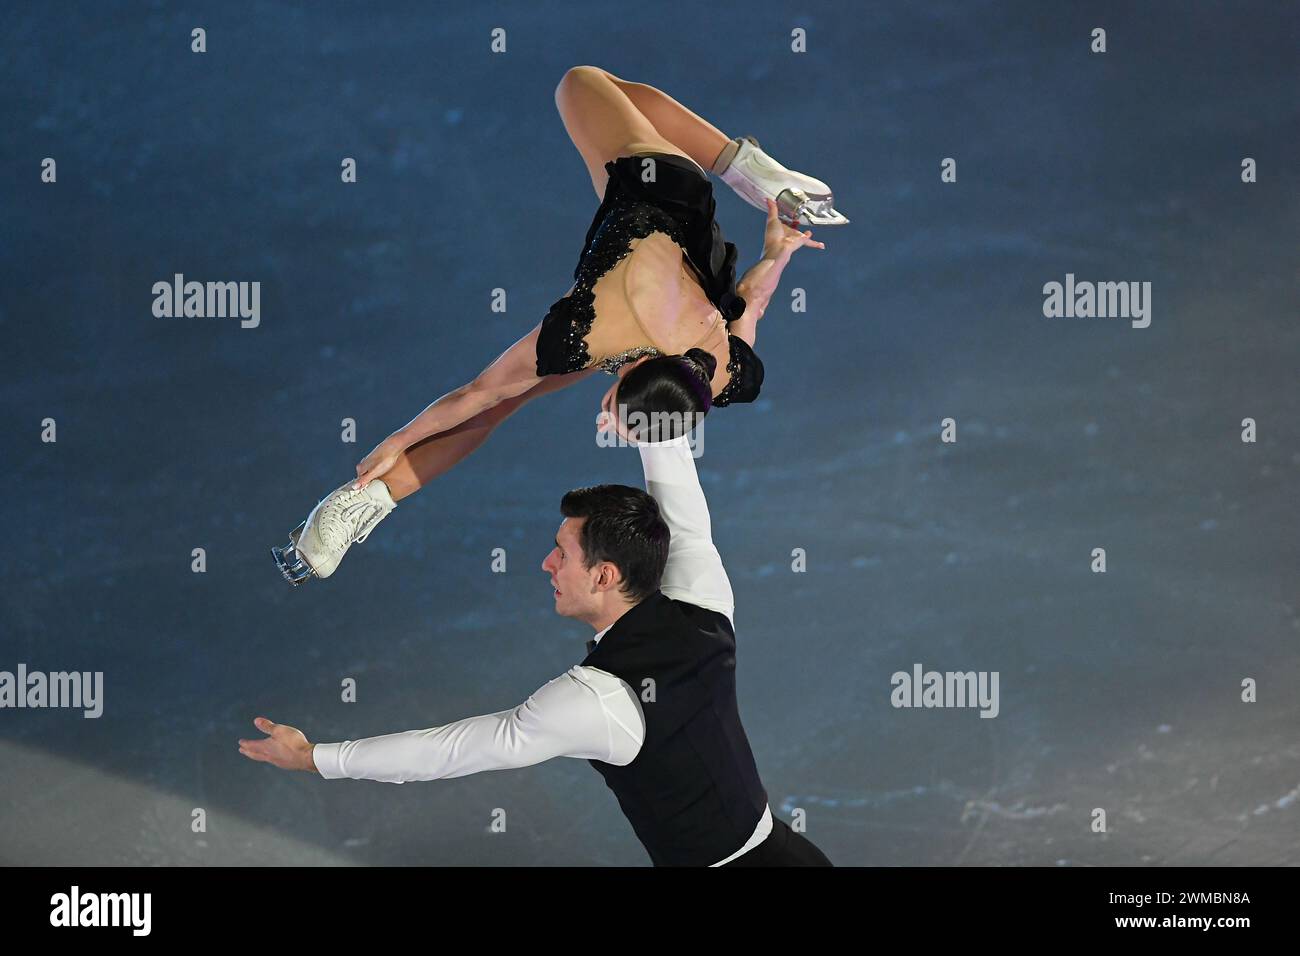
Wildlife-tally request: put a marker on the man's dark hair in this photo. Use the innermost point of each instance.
(623, 526)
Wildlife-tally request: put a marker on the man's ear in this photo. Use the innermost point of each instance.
(610, 577)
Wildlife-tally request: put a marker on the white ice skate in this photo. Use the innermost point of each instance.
(344, 518)
(756, 177)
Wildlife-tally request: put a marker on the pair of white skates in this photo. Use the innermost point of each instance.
(348, 515)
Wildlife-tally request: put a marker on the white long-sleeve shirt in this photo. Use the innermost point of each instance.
(586, 712)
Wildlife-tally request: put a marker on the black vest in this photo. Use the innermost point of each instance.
(692, 794)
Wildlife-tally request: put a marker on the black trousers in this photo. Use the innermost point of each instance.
(783, 847)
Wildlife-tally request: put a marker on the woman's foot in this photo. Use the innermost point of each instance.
(756, 177)
(344, 518)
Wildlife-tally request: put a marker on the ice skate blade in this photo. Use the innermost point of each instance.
(292, 566)
(795, 209)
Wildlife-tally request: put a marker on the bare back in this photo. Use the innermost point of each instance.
(653, 297)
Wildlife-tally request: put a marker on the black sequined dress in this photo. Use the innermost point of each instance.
(680, 203)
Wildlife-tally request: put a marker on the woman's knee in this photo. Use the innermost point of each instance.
(575, 75)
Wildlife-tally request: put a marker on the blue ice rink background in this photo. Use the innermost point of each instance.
(1119, 690)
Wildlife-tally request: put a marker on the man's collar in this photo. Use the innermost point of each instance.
(591, 644)
(630, 612)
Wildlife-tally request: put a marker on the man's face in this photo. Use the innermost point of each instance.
(575, 594)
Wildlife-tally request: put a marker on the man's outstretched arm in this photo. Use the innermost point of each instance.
(584, 713)
(694, 573)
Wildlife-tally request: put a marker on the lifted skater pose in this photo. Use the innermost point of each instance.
(653, 705)
(654, 302)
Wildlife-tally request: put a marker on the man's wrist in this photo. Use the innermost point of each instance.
(311, 759)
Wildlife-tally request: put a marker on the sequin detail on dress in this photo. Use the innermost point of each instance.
(624, 222)
(615, 362)
(746, 371)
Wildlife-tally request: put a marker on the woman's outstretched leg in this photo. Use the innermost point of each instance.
(347, 515)
(438, 454)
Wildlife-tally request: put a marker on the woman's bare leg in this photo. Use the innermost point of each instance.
(688, 131)
(427, 459)
(603, 116)
(438, 454)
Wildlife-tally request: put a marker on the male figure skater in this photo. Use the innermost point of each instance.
(653, 705)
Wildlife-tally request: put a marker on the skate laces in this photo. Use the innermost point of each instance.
(341, 521)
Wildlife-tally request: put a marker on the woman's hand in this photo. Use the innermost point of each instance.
(379, 462)
(758, 285)
(780, 241)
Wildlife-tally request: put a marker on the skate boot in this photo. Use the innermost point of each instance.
(756, 177)
(344, 518)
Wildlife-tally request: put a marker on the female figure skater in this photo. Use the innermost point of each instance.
(655, 301)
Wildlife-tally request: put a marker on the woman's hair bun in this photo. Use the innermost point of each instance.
(704, 362)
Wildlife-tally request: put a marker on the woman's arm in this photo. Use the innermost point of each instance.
(757, 288)
(513, 373)
(759, 284)
(434, 456)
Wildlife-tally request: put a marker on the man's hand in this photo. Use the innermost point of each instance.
(286, 747)
(611, 422)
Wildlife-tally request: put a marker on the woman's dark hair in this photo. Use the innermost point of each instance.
(667, 396)
(622, 526)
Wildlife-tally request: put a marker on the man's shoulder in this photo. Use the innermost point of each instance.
(661, 627)
(700, 614)
(666, 606)
(700, 617)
